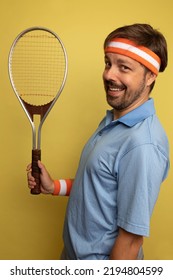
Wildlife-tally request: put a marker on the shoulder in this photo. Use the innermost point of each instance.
(148, 132)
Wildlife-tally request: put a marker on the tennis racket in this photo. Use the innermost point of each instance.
(37, 70)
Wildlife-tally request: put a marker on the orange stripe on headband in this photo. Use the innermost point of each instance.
(139, 53)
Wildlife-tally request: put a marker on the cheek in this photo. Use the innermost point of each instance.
(132, 82)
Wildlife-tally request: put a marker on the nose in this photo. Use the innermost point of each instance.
(110, 74)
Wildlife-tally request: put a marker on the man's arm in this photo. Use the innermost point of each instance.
(126, 246)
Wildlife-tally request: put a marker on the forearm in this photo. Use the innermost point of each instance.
(126, 247)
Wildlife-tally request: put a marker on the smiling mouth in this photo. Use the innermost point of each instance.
(113, 89)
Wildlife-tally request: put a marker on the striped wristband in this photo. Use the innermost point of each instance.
(62, 187)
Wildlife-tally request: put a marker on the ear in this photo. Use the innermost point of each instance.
(151, 77)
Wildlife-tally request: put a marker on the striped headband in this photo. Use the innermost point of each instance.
(139, 53)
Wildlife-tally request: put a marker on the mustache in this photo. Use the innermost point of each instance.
(110, 83)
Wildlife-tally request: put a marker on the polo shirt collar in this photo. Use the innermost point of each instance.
(135, 116)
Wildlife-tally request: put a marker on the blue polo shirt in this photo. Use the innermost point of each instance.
(117, 183)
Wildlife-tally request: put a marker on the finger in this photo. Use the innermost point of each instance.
(29, 175)
(31, 179)
(31, 186)
(28, 168)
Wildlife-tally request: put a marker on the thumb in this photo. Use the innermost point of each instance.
(42, 167)
(45, 176)
(47, 185)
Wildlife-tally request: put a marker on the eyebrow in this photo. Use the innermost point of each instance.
(119, 60)
(122, 61)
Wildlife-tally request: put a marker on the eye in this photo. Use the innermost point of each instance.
(107, 64)
(124, 68)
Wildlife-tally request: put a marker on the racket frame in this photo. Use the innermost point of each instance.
(36, 141)
(36, 133)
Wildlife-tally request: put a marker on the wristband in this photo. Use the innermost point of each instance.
(62, 187)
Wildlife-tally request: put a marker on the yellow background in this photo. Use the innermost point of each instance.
(31, 226)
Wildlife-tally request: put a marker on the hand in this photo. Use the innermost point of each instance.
(46, 185)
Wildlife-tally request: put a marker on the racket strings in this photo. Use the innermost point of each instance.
(38, 67)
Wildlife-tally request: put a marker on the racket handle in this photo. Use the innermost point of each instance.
(36, 155)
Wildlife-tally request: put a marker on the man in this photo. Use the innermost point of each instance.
(125, 161)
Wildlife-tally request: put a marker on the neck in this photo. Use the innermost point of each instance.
(120, 113)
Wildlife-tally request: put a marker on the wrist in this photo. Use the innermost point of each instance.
(52, 187)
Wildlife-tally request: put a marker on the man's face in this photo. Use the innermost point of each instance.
(126, 83)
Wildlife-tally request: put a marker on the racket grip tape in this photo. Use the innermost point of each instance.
(36, 155)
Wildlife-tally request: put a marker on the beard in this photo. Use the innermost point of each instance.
(124, 98)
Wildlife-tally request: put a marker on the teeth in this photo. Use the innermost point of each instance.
(115, 89)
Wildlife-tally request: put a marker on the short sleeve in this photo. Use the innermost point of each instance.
(141, 172)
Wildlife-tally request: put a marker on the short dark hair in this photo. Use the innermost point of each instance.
(144, 35)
